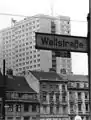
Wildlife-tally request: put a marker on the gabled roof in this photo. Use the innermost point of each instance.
(18, 83)
(77, 78)
(50, 76)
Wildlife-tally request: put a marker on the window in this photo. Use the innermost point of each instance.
(79, 107)
(26, 43)
(30, 57)
(63, 87)
(44, 96)
(34, 108)
(57, 108)
(38, 65)
(68, 22)
(23, 68)
(27, 62)
(26, 107)
(71, 107)
(63, 98)
(34, 65)
(18, 118)
(26, 118)
(51, 98)
(30, 61)
(27, 53)
(23, 63)
(87, 107)
(38, 60)
(57, 97)
(71, 118)
(38, 55)
(27, 58)
(33, 118)
(87, 118)
(27, 48)
(79, 95)
(64, 109)
(86, 95)
(27, 67)
(10, 118)
(51, 109)
(18, 108)
(23, 58)
(43, 85)
(45, 108)
(34, 61)
(10, 108)
(34, 56)
(86, 85)
(78, 85)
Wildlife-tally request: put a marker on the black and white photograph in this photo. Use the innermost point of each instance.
(45, 60)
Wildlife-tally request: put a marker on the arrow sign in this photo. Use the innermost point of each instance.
(61, 42)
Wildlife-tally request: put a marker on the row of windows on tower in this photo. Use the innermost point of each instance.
(14, 37)
(28, 67)
(27, 57)
(27, 29)
(28, 62)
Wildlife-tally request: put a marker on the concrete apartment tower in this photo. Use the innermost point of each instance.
(18, 44)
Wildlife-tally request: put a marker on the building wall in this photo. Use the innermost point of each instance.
(21, 106)
(54, 102)
(19, 42)
(66, 64)
(78, 95)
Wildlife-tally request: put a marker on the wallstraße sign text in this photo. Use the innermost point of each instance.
(61, 42)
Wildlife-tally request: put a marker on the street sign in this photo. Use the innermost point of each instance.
(61, 42)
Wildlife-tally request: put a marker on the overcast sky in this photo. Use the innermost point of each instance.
(77, 10)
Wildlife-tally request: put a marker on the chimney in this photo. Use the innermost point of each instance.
(9, 73)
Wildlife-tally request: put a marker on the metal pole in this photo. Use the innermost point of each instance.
(3, 97)
(89, 63)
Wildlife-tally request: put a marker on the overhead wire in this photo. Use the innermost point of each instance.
(18, 15)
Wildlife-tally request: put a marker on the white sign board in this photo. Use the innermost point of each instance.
(78, 117)
(61, 42)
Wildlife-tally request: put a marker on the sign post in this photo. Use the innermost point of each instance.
(61, 42)
(89, 55)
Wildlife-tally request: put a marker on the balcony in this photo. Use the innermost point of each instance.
(87, 112)
(21, 113)
(64, 93)
(72, 99)
(64, 102)
(44, 102)
(79, 100)
(24, 98)
(87, 100)
(72, 112)
(80, 112)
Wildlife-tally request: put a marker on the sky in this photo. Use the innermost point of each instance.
(77, 10)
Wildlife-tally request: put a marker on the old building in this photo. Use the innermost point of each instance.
(46, 95)
(53, 94)
(78, 94)
(21, 101)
